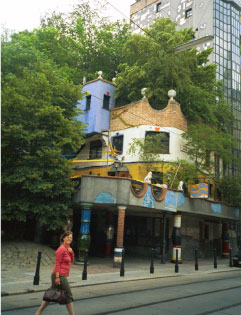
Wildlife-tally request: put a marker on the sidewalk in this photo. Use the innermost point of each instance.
(16, 280)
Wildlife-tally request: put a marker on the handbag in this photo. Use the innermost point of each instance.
(55, 295)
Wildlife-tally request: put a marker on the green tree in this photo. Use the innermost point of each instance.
(202, 140)
(150, 61)
(38, 126)
(82, 42)
(230, 189)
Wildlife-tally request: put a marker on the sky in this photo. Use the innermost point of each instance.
(18, 15)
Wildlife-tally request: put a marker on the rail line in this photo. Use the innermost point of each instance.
(172, 300)
(149, 289)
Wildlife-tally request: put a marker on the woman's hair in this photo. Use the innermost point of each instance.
(67, 233)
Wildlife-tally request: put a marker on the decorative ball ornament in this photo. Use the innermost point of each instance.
(100, 74)
(172, 94)
(143, 92)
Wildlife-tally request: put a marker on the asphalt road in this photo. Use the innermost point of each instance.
(214, 294)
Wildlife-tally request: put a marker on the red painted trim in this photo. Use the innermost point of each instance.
(142, 193)
(163, 194)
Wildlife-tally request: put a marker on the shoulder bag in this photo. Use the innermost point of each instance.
(55, 295)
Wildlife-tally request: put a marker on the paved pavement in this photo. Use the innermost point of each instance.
(19, 267)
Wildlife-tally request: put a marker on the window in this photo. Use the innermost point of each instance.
(95, 149)
(217, 165)
(157, 178)
(88, 101)
(188, 13)
(157, 142)
(158, 7)
(106, 101)
(207, 159)
(117, 143)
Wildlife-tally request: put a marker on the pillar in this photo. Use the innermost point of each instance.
(109, 234)
(164, 220)
(83, 241)
(177, 238)
(120, 237)
(225, 240)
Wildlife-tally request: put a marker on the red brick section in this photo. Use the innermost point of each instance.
(141, 113)
(120, 227)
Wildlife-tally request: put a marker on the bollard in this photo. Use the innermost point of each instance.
(230, 258)
(122, 268)
(36, 277)
(152, 260)
(176, 263)
(215, 258)
(84, 273)
(196, 259)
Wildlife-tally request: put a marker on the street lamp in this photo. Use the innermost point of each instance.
(168, 179)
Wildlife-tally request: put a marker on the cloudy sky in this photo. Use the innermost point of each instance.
(18, 15)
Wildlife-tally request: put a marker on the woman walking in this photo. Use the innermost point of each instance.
(64, 257)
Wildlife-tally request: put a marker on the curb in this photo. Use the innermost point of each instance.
(29, 291)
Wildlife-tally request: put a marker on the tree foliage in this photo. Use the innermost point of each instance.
(38, 125)
(82, 42)
(201, 140)
(41, 75)
(150, 61)
(230, 189)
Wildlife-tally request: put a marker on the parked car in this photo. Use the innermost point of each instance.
(237, 259)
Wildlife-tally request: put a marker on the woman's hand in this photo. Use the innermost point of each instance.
(57, 281)
(70, 250)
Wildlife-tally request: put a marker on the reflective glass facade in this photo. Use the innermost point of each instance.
(227, 57)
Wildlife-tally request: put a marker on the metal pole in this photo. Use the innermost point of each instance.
(84, 273)
(36, 277)
(215, 258)
(152, 260)
(122, 269)
(163, 258)
(176, 263)
(196, 260)
(230, 258)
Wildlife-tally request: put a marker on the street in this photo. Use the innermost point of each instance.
(183, 295)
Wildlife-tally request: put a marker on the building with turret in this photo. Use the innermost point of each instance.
(127, 202)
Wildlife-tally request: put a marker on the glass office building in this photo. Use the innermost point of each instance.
(217, 25)
(227, 57)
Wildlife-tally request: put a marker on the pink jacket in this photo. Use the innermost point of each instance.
(63, 261)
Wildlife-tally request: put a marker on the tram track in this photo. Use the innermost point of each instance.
(176, 299)
(145, 290)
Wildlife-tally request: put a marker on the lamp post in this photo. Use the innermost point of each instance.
(168, 179)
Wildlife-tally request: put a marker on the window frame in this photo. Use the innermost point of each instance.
(158, 7)
(106, 100)
(95, 149)
(187, 15)
(122, 144)
(88, 102)
(166, 141)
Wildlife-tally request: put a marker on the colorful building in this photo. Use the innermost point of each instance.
(130, 203)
